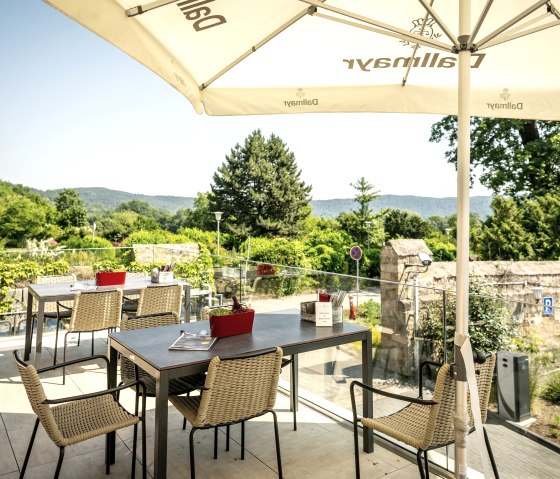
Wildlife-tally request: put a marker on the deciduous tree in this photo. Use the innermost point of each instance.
(518, 158)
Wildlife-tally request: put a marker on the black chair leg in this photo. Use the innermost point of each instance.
(92, 341)
(242, 440)
(491, 454)
(184, 423)
(356, 449)
(277, 440)
(144, 455)
(215, 443)
(64, 359)
(227, 438)
(419, 461)
(426, 464)
(28, 453)
(134, 442)
(59, 463)
(56, 343)
(191, 451)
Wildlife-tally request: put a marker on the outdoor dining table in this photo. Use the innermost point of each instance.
(149, 349)
(49, 292)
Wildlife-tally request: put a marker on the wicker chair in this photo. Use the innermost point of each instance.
(235, 390)
(91, 312)
(428, 424)
(129, 372)
(130, 302)
(61, 309)
(205, 315)
(71, 420)
(160, 299)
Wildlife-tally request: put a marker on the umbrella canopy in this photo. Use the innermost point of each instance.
(299, 56)
(242, 57)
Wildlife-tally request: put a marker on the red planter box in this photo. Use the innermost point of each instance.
(110, 278)
(232, 324)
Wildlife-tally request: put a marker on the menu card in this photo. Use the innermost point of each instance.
(323, 314)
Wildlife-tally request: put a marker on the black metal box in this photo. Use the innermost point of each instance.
(513, 386)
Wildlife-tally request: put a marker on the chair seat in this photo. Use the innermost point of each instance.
(181, 385)
(407, 425)
(64, 313)
(129, 306)
(187, 406)
(87, 418)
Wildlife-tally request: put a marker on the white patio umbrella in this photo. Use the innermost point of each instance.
(243, 57)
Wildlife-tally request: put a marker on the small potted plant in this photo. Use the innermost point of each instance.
(231, 320)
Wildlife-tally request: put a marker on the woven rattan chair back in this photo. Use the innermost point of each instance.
(36, 395)
(142, 322)
(96, 311)
(160, 299)
(444, 432)
(237, 389)
(50, 307)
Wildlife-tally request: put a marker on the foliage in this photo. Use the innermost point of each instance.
(119, 225)
(441, 249)
(199, 272)
(519, 158)
(279, 251)
(152, 217)
(490, 326)
(20, 271)
(369, 314)
(259, 190)
(70, 209)
(23, 215)
(405, 224)
(105, 248)
(551, 390)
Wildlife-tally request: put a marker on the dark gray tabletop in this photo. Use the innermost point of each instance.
(269, 330)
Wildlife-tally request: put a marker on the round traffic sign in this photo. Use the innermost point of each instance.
(356, 253)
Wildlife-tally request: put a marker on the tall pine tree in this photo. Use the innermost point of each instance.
(259, 190)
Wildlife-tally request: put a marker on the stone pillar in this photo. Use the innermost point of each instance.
(399, 261)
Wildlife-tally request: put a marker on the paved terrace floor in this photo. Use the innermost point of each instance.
(322, 446)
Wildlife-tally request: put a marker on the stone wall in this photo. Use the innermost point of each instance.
(513, 281)
(166, 253)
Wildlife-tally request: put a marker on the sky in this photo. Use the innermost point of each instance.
(77, 112)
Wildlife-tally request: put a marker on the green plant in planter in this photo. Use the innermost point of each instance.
(235, 308)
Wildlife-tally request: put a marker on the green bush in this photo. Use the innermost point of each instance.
(98, 250)
(551, 390)
(490, 325)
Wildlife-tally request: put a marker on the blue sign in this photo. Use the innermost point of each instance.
(548, 306)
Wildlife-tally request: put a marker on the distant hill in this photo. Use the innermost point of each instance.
(425, 206)
(112, 198)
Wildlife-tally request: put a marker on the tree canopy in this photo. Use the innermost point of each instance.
(259, 190)
(70, 209)
(518, 158)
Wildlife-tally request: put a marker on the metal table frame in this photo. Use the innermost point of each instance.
(44, 293)
(148, 348)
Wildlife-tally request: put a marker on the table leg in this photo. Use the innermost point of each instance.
(110, 442)
(160, 432)
(367, 372)
(28, 327)
(186, 306)
(294, 388)
(39, 333)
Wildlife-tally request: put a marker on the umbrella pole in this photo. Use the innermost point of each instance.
(463, 185)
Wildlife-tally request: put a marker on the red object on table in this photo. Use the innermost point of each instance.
(324, 297)
(232, 324)
(110, 278)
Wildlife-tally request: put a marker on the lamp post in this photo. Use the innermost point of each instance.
(218, 215)
(447, 231)
(368, 225)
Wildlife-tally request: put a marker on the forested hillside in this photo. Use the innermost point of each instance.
(425, 206)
